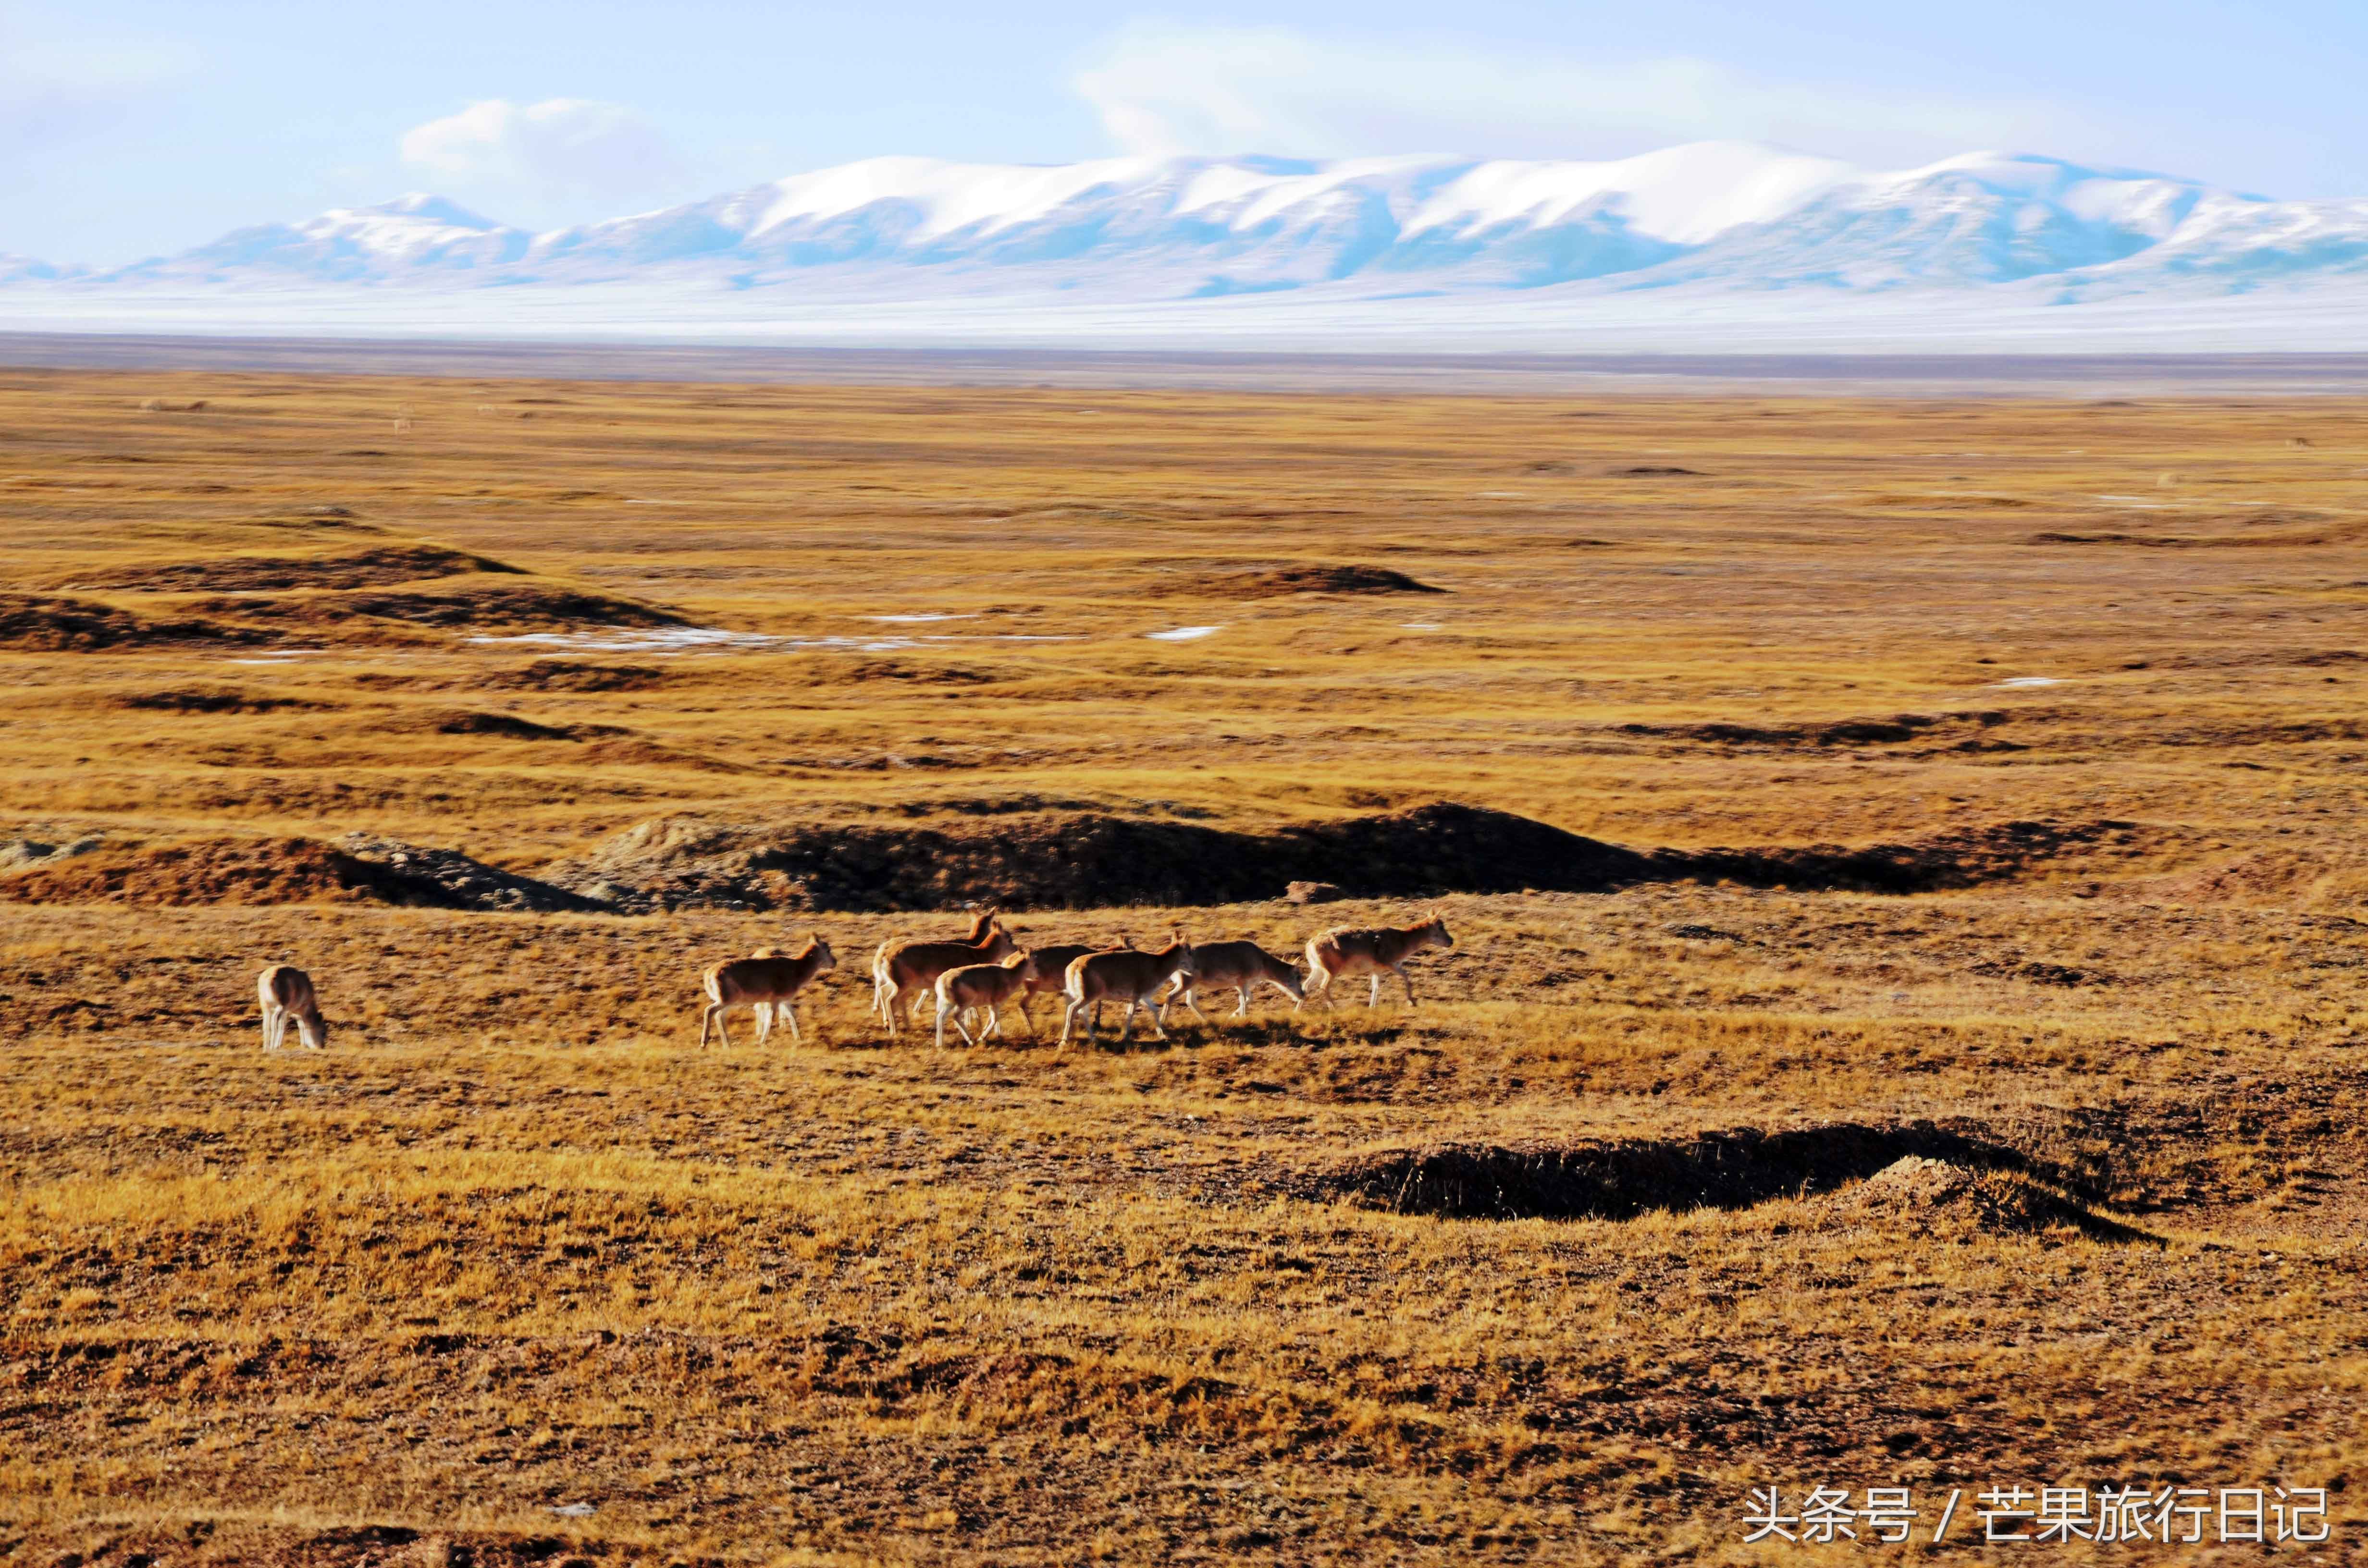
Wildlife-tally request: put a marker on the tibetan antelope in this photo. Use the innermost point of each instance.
(903, 969)
(768, 981)
(1343, 951)
(1124, 975)
(987, 985)
(1052, 977)
(287, 993)
(1245, 966)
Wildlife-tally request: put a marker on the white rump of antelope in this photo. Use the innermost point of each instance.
(1346, 951)
(768, 981)
(1126, 975)
(287, 994)
(902, 972)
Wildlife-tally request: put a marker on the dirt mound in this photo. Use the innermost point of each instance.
(215, 870)
(2289, 530)
(250, 573)
(1621, 1178)
(1947, 1197)
(2039, 972)
(457, 880)
(1963, 858)
(1092, 859)
(509, 607)
(458, 721)
(361, 869)
(2322, 877)
(1838, 733)
(37, 623)
(1277, 582)
(1085, 860)
(212, 699)
(563, 675)
(25, 853)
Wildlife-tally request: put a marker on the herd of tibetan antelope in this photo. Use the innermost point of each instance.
(986, 970)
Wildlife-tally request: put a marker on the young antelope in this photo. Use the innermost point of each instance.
(987, 985)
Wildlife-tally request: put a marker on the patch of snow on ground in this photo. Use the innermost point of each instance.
(665, 639)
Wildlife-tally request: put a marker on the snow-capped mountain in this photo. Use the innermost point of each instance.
(1710, 222)
(416, 236)
(1743, 215)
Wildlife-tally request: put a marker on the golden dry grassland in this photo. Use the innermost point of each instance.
(512, 1274)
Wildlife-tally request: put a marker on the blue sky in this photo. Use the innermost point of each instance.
(130, 128)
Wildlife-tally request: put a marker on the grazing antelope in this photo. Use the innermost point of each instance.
(287, 993)
(1344, 950)
(767, 980)
(1245, 966)
(987, 985)
(1127, 975)
(903, 969)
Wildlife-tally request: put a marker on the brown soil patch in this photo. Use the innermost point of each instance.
(1918, 1171)
(1278, 582)
(1621, 1178)
(1087, 859)
(508, 726)
(203, 871)
(2331, 873)
(566, 675)
(1080, 860)
(214, 699)
(361, 870)
(1946, 1197)
(1963, 858)
(855, 671)
(36, 623)
(1840, 732)
(2273, 530)
(524, 608)
(247, 573)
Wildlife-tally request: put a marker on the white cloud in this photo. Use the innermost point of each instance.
(553, 155)
(1166, 89)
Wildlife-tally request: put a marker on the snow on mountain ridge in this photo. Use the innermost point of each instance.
(1684, 195)
(952, 197)
(1726, 215)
